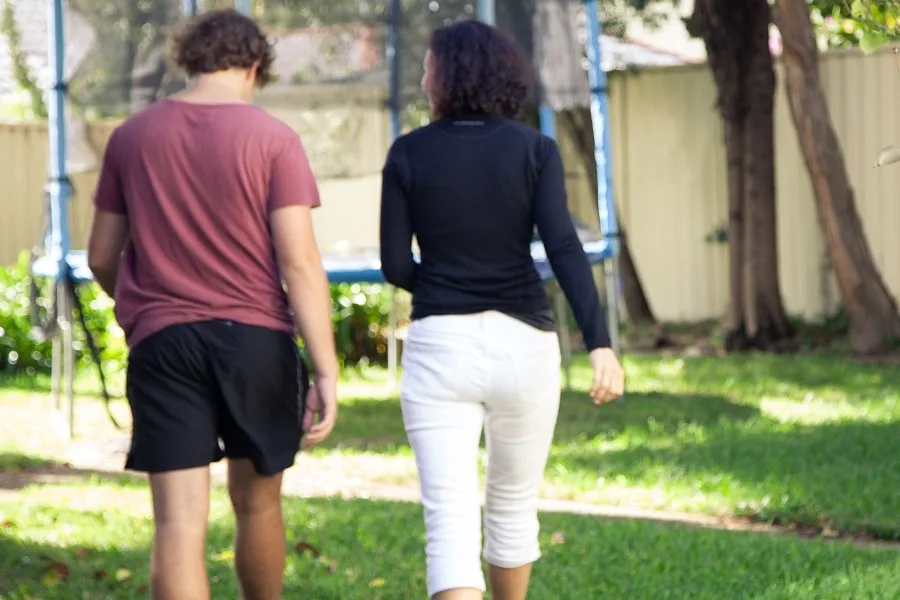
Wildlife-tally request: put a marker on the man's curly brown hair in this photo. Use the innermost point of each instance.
(219, 40)
(478, 70)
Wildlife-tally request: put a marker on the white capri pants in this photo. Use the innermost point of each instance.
(462, 374)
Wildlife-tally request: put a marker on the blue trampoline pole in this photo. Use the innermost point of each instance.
(392, 52)
(58, 186)
(487, 12)
(189, 7)
(59, 194)
(243, 6)
(605, 204)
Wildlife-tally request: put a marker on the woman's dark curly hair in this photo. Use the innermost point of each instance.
(477, 70)
(219, 40)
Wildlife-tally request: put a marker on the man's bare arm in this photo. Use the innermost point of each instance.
(307, 284)
(109, 234)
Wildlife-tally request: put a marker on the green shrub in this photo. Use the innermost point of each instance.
(360, 314)
(22, 353)
(19, 351)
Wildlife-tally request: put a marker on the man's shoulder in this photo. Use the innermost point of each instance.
(247, 117)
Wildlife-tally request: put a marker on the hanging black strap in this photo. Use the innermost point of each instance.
(72, 290)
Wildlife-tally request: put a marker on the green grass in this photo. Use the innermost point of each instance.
(12, 461)
(90, 541)
(809, 440)
(806, 440)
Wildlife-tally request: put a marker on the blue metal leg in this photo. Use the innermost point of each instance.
(605, 203)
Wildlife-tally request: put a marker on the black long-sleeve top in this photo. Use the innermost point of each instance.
(471, 190)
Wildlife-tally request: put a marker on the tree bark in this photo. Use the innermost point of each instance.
(767, 320)
(871, 309)
(735, 33)
(735, 328)
(578, 122)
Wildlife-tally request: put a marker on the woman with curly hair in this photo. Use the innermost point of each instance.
(481, 353)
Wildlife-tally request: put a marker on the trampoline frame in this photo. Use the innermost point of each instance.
(63, 265)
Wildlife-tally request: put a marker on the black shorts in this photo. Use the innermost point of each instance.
(194, 385)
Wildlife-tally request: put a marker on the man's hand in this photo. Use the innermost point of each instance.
(321, 410)
(609, 378)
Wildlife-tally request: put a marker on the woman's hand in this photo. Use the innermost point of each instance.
(609, 378)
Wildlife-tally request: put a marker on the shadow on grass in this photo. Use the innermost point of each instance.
(361, 550)
(86, 384)
(842, 476)
(376, 425)
(18, 471)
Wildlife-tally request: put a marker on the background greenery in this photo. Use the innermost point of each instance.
(360, 314)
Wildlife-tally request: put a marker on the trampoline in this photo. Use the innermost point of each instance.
(546, 29)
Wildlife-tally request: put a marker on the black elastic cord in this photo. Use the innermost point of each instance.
(71, 287)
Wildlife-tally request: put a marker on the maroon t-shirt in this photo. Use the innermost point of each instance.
(197, 183)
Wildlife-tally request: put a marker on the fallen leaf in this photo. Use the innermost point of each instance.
(100, 575)
(7, 525)
(302, 547)
(81, 553)
(58, 570)
(332, 566)
(558, 538)
(122, 575)
(377, 582)
(225, 555)
(142, 589)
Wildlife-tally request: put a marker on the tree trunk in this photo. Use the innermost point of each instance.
(869, 305)
(640, 314)
(767, 321)
(148, 75)
(735, 329)
(735, 33)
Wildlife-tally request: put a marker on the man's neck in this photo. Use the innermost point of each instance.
(213, 89)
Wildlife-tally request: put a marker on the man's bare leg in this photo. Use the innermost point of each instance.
(259, 552)
(180, 512)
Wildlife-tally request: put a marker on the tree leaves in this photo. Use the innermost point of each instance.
(868, 24)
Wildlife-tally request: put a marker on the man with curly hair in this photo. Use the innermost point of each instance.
(202, 213)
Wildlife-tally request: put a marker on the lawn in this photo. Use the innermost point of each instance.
(807, 440)
(90, 541)
(811, 442)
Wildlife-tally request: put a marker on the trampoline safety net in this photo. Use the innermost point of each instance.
(116, 55)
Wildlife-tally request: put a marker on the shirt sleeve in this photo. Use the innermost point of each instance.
(109, 195)
(292, 182)
(568, 260)
(397, 261)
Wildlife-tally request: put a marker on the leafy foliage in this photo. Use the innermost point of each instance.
(360, 314)
(868, 24)
(21, 72)
(22, 353)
